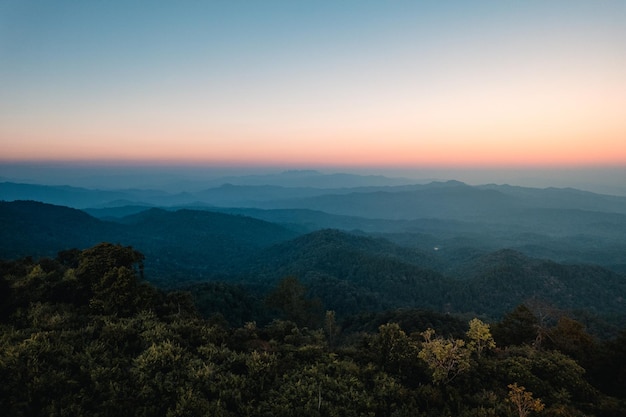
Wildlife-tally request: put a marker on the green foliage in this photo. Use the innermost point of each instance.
(519, 326)
(233, 302)
(130, 350)
(523, 401)
(479, 337)
(446, 358)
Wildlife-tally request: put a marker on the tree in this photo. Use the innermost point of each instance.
(480, 336)
(446, 358)
(98, 260)
(570, 337)
(523, 400)
(394, 349)
(518, 327)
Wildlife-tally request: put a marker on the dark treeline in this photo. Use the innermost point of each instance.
(84, 335)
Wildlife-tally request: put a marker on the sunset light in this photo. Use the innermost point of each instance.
(316, 84)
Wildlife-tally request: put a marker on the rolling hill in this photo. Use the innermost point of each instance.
(180, 245)
(349, 272)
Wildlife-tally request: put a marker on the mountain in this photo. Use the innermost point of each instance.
(225, 191)
(453, 200)
(180, 246)
(501, 280)
(562, 198)
(77, 197)
(312, 179)
(195, 245)
(349, 272)
(565, 225)
(29, 228)
(354, 273)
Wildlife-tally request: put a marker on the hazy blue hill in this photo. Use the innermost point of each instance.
(180, 246)
(304, 220)
(571, 220)
(225, 194)
(77, 197)
(453, 200)
(250, 196)
(312, 178)
(195, 224)
(117, 212)
(563, 198)
(232, 195)
(60, 195)
(565, 234)
(30, 228)
(450, 200)
(436, 200)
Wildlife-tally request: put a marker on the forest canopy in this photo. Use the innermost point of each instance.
(84, 334)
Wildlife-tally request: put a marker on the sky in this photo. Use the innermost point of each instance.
(370, 84)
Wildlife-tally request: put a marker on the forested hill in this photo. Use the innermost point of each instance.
(191, 245)
(30, 228)
(354, 273)
(499, 281)
(349, 273)
(180, 245)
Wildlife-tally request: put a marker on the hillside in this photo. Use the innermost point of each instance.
(29, 228)
(350, 273)
(180, 245)
(501, 280)
(191, 245)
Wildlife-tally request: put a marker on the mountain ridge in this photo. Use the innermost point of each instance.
(348, 272)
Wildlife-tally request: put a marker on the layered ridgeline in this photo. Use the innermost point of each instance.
(183, 245)
(349, 273)
(565, 225)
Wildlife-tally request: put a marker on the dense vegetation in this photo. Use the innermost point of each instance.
(84, 335)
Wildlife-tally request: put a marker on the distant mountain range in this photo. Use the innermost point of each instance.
(349, 272)
(450, 199)
(564, 225)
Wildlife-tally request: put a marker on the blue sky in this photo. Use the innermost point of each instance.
(293, 83)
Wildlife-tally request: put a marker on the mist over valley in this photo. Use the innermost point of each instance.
(364, 244)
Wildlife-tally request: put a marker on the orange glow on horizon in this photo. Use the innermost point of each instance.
(439, 152)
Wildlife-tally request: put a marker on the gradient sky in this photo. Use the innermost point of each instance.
(315, 83)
